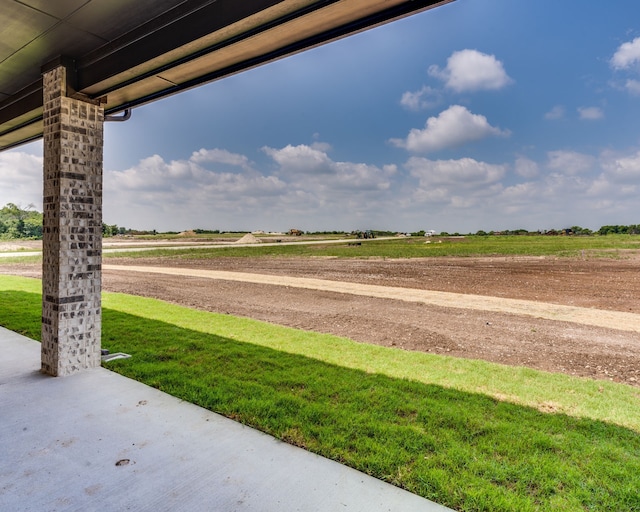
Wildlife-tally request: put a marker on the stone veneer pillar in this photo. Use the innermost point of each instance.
(72, 229)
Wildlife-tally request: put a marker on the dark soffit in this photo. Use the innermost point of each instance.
(130, 52)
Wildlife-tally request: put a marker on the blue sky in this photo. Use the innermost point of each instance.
(481, 114)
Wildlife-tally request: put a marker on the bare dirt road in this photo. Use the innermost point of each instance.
(583, 343)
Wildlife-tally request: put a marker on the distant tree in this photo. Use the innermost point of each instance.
(110, 229)
(611, 230)
(632, 229)
(17, 222)
(208, 231)
(577, 230)
(32, 226)
(518, 232)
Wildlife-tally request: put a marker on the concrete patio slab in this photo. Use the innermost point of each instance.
(100, 441)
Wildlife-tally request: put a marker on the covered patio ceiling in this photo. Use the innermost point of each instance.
(126, 53)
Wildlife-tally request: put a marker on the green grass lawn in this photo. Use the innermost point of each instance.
(611, 246)
(468, 434)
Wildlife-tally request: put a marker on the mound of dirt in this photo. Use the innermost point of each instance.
(248, 239)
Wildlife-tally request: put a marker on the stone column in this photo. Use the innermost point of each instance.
(72, 229)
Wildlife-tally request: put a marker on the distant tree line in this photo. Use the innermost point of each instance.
(632, 229)
(16, 222)
(114, 230)
(573, 230)
(199, 231)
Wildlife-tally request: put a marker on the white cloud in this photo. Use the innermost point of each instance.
(627, 55)
(523, 193)
(556, 112)
(600, 187)
(590, 113)
(303, 166)
(633, 86)
(526, 168)
(623, 169)
(301, 159)
(453, 127)
(179, 178)
(306, 188)
(321, 146)
(445, 188)
(302, 186)
(183, 194)
(471, 70)
(20, 179)
(220, 156)
(219, 189)
(151, 174)
(570, 162)
(627, 59)
(422, 99)
(465, 173)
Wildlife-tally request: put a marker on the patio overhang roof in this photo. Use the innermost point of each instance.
(126, 53)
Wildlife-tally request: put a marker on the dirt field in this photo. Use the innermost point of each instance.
(567, 347)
